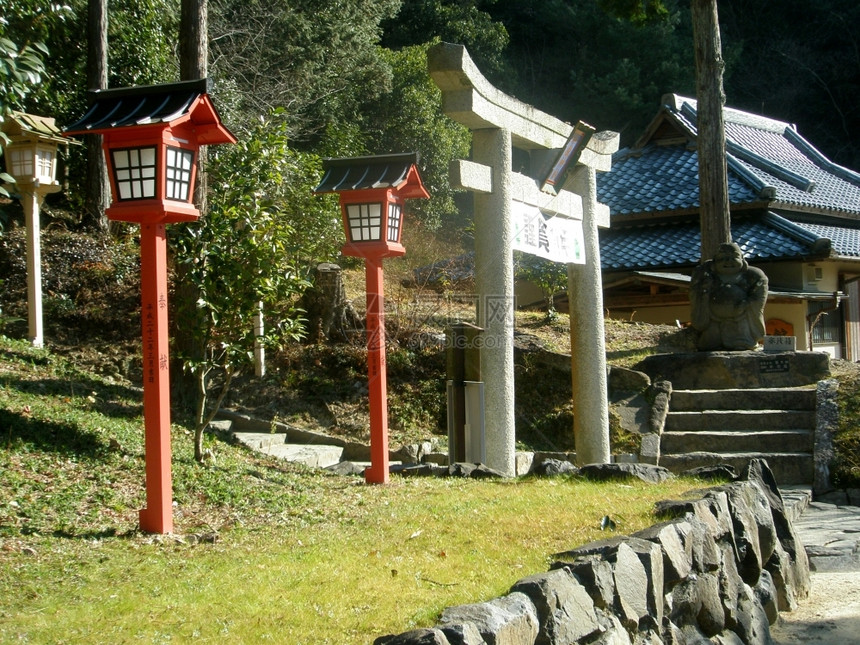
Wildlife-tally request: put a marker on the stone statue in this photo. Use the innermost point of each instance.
(727, 298)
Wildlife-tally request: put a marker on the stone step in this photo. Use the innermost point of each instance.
(788, 468)
(275, 444)
(314, 456)
(737, 419)
(736, 441)
(795, 398)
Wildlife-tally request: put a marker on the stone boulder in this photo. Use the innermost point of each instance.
(565, 610)
(509, 620)
(621, 471)
(554, 467)
(415, 637)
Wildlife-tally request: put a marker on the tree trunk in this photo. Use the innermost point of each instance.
(330, 315)
(193, 64)
(97, 183)
(714, 215)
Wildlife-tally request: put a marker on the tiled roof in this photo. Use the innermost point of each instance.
(359, 173)
(767, 159)
(845, 241)
(675, 245)
(139, 105)
(124, 112)
(660, 178)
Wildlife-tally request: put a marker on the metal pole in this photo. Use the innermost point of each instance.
(377, 380)
(157, 517)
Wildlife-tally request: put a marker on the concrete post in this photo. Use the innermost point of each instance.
(587, 342)
(31, 201)
(494, 277)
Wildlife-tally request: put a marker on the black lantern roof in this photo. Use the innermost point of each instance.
(359, 173)
(139, 105)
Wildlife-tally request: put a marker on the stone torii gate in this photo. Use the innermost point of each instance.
(500, 123)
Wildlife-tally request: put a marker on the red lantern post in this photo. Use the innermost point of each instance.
(151, 137)
(372, 191)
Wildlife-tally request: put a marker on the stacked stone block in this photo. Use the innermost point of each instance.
(716, 570)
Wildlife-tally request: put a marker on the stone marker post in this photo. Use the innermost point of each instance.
(587, 341)
(494, 271)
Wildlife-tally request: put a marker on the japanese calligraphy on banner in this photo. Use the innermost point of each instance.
(555, 238)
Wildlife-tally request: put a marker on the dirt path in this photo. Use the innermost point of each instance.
(830, 616)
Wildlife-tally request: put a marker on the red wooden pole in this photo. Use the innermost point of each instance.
(157, 517)
(377, 381)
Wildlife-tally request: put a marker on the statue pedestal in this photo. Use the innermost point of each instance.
(745, 369)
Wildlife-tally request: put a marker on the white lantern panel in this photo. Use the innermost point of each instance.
(394, 216)
(21, 160)
(135, 172)
(46, 160)
(179, 164)
(365, 222)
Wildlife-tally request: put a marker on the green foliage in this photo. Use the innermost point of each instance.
(252, 249)
(141, 40)
(22, 56)
(467, 22)
(316, 58)
(846, 440)
(24, 25)
(550, 277)
(575, 61)
(409, 118)
(638, 12)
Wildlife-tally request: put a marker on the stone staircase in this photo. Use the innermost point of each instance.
(706, 427)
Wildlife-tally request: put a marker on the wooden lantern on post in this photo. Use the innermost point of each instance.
(372, 191)
(30, 149)
(151, 136)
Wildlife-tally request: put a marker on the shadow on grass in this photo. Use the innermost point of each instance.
(49, 436)
(95, 535)
(109, 400)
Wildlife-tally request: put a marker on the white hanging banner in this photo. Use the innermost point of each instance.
(555, 238)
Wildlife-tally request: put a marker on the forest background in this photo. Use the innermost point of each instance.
(300, 80)
(348, 77)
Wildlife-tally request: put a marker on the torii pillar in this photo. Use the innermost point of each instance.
(498, 123)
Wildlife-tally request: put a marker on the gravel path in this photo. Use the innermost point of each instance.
(831, 614)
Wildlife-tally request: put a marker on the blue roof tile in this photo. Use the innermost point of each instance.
(845, 241)
(660, 178)
(677, 245)
(652, 178)
(770, 166)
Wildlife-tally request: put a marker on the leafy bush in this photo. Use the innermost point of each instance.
(845, 469)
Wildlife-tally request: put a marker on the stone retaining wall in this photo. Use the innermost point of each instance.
(717, 570)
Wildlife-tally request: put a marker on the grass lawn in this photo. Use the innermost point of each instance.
(263, 550)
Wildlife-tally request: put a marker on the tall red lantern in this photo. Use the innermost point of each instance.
(372, 192)
(151, 137)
